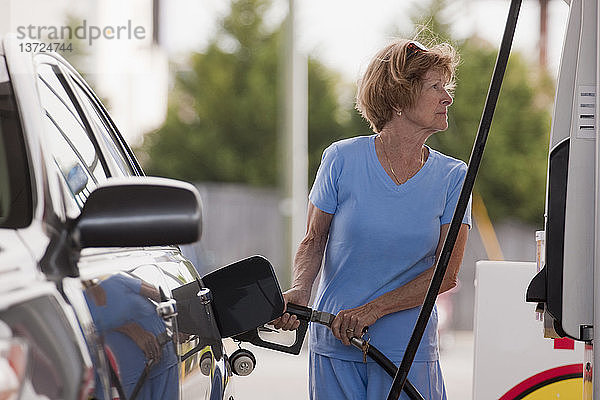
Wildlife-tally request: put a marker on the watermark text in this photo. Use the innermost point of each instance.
(83, 31)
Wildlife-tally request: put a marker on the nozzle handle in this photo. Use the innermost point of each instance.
(253, 337)
(303, 313)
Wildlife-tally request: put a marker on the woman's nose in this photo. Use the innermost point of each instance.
(447, 100)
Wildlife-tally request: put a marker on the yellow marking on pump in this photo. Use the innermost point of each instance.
(568, 389)
(486, 229)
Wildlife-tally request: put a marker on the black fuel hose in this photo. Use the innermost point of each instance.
(385, 363)
(463, 200)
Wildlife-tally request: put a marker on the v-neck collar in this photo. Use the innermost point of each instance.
(387, 180)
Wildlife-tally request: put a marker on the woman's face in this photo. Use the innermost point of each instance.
(430, 111)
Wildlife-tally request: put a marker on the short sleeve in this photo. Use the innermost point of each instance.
(455, 187)
(131, 283)
(324, 192)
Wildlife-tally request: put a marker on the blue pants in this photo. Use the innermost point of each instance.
(333, 379)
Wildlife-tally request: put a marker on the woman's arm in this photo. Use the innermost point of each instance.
(307, 263)
(150, 291)
(145, 340)
(352, 321)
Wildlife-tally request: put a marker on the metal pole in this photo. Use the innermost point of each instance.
(296, 133)
(459, 212)
(543, 33)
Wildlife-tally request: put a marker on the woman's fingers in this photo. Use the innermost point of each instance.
(287, 322)
(342, 328)
(157, 349)
(346, 330)
(156, 353)
(150, 346)
(352, 323)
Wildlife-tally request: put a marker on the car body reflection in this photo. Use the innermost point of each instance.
(124, 311)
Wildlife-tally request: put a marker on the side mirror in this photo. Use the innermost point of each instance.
(139, 211)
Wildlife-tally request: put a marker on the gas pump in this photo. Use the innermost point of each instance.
(565, 287)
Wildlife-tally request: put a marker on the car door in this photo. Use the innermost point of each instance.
(201, 372)
(42, 351)
(121, 287)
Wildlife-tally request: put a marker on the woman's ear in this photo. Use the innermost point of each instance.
(398, 111)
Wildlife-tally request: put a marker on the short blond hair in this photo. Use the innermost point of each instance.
(393, 79)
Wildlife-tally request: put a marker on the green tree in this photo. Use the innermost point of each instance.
(512, 176)
(222, 120)
(328, 121)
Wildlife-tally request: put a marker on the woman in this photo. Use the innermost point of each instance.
(379, 211)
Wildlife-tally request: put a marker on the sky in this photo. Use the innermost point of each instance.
(344, 34)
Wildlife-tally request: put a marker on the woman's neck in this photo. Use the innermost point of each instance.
(401, 155)
(403, 144)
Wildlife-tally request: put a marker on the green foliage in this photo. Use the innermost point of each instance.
(512, 175)
(429, 23)
(223, 117)
(326, 123)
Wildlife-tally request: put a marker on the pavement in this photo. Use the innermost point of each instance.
(283, 376)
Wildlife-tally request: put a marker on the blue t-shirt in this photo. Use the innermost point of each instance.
(381, 237)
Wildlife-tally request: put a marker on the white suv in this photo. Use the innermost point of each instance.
(87, 251)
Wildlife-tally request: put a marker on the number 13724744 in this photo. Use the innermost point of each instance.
(34, 47)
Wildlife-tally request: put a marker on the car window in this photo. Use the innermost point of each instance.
(16, 202)
(5, 191)
(72, 149)
(114, 153)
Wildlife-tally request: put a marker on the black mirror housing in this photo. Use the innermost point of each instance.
(139, 211)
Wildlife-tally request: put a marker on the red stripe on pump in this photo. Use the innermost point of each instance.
(564, 344)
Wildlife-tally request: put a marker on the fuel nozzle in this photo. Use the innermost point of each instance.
(167, 308)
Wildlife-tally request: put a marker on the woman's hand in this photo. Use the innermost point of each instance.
(145, 340)
(351, 323)
(183, 337)
(289, 322)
